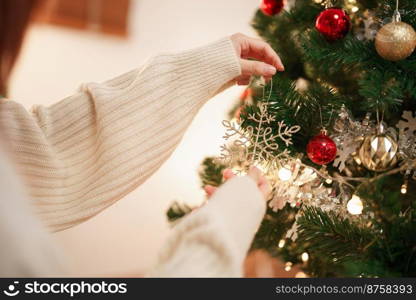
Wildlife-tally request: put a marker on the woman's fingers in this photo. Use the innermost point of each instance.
(210, 190)
(262, 182)
(228, 174)
(257, 68)
(262, 51)
(254, 173)
(243, 80)
(265, 189)
(266, 62)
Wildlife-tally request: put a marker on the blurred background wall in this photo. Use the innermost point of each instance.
(124, 239)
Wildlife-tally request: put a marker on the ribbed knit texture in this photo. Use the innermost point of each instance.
(87, 151)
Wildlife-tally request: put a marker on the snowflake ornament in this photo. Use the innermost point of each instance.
(256, 145)
(367, 27)
(292, 233)
(407, 127)
(345, 152)
(292, 190)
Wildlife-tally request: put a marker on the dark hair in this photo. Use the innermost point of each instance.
(14, 19)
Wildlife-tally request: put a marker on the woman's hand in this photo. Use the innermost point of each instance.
(254, 173)
(267, 61)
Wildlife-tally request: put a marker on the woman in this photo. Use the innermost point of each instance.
(89, 150)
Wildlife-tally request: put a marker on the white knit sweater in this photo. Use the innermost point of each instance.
(87, 151)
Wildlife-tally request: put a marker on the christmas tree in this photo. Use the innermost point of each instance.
(335, 135)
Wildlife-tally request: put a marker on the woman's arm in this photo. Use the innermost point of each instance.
(89, 150)
(213, 241)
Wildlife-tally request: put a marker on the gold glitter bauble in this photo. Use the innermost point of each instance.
(378, 152)
(396, 41)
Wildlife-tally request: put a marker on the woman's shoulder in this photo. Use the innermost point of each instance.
(10, 109)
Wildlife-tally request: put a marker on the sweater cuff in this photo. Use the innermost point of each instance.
(240, 207)
(208, 68)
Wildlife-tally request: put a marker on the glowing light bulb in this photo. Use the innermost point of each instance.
(403, 189)
(355, 205)
(328, 181)
(288, 266)
(355, 9)
(305, 256)
(301, 275)
(284, 174)
(282, 243)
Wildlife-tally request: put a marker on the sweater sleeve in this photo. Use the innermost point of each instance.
(213, 240)
(87, 151)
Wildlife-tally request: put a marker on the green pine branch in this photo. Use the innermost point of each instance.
(329, 234)
(210, 172)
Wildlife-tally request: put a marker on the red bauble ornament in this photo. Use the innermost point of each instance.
(333, 23)
(321, 149)
(272, 7)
